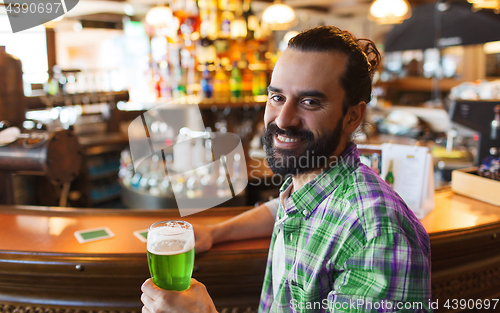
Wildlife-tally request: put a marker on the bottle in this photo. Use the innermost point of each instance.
(263, 82)
(255, 83)
(389, 178)
(259, 83)
(227, 17)
(247, 84)
(193, 16)
(251, 19)
(235, 82)
(206, 84)
(221, 85)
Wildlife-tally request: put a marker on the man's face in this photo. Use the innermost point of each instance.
(303, 118)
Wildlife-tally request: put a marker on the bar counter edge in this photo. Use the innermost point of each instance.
(40, 276)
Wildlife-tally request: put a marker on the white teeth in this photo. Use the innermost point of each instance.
(285, 139)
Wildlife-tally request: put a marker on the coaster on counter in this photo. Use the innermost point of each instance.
(142, 235)
(93, 234)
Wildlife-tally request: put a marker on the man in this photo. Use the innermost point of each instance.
(342, 239)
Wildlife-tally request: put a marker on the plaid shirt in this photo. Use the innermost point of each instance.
(351, 245)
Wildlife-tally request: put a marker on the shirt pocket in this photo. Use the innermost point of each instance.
(297, 298)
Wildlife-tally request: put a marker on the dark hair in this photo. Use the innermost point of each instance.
(362, 59)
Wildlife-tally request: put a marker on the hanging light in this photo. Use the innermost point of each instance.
(278, 16)
(485, 4)
(389, 11)
(160, 16)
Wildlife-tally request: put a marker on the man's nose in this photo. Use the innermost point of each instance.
(288, 116)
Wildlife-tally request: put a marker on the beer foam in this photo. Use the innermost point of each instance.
(170, 241)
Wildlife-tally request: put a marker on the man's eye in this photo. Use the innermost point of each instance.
(310, 103)
(277, 98)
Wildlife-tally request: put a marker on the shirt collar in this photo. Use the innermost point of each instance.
(307, 198)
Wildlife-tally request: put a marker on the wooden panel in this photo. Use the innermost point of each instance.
(466, 265)
(44, 265)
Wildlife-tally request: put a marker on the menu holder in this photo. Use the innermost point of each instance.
(412, 171)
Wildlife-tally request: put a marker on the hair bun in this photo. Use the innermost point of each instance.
(372, 54)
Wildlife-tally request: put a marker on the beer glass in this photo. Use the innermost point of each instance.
(171, 254)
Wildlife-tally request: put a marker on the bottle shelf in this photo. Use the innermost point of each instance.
(244, 102)
(45, 101)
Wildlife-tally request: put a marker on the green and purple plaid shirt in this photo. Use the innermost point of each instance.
(351, 245)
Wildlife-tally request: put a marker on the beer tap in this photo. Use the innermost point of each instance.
(55, 155)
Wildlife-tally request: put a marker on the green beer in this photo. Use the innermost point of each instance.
(171, 254)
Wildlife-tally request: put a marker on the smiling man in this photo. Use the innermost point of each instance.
(342, 239)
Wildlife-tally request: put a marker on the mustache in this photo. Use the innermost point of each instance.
(273, 129)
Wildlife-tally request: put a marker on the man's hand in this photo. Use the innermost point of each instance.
(194, 300)
(203, 238)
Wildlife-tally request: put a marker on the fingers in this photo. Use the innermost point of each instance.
(148, 302)
(148, 286)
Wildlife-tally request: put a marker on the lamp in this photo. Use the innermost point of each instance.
(278, 16)
(485, 4)
(389, 11)
(160, 16)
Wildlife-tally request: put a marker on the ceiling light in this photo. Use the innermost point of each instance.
(389, 11)
(485, 4)
(278, 16)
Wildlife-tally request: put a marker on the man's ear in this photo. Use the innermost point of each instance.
(354, 117)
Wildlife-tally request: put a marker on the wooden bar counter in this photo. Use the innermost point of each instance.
(43, 268)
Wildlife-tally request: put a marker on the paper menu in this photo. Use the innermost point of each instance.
(413, 175)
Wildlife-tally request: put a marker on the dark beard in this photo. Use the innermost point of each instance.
(292, 162)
